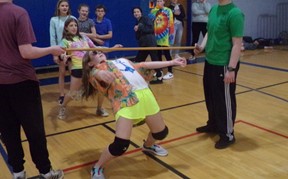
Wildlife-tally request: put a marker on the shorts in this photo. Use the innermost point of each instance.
(77, 73)
(146, 106)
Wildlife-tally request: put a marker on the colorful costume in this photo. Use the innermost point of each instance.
(123, 92)
(163, 25)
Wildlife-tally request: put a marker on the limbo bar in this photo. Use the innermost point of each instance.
(129, 48)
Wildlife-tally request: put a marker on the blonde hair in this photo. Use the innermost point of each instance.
(88, 90)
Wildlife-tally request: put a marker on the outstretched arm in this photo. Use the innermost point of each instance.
(28, 51)
(161, 64)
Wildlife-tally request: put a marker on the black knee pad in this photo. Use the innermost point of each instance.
(119, 146)
(161, 135)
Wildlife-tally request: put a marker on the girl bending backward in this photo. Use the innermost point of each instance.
(125, 85)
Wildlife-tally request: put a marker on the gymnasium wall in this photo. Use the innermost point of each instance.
(255, 8)
(119, 12)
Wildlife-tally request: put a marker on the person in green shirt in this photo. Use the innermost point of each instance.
(222, 44)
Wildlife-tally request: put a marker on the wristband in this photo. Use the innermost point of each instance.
(230, 69)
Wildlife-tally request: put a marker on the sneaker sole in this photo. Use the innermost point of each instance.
(154, 153)
(156, 82)
(225, 146)
(102, 115)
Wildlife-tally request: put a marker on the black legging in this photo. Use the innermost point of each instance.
(197, 28)
(143, 54)
(167, 56)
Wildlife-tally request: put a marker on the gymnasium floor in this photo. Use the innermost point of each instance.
(261, 128)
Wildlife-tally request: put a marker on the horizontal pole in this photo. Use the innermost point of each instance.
(129, 48)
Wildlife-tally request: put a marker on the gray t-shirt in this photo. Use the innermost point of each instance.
(17, 31)
(200, 11)
(85, 26)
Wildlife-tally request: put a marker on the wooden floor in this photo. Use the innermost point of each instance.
(261, 129)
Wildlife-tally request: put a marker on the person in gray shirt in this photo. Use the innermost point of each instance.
(87, 27)
(200, 10)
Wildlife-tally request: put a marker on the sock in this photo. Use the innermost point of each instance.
(19, 174)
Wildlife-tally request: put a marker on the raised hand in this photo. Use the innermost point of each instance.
(198, 49)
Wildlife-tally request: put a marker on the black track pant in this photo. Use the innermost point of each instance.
(20, 105)
(220, 99)
(167, 56)
(197, 28)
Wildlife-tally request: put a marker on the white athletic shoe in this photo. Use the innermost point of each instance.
(53, 174)
(155, 149)
(102, 112)
(97, 173)
(19, 175)
(168, 76)
(62, 113)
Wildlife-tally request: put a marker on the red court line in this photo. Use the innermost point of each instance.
(90, 163)
(129, 152)
(177, 139)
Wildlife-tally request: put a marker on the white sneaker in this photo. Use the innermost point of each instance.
(19, 175)
(97, 173)
(155, 149)
(53, 174)
(168, 76)
(192, 58)
(102, 112)
(62, 111)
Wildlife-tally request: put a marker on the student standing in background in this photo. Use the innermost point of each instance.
(103, 26)
(62, 13)
(144, 30)
(87, 28)
(200, 10)
(179, 15)
(87, 25)
(164, 30)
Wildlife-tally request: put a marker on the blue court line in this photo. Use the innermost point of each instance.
(5, 157)
(263, 66)
(274, 96)
(202, 59)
